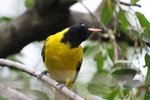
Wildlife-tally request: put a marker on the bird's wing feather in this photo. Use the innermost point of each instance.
(77, 70)
(43, 53)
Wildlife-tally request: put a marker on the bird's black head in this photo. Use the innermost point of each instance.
(77, 34)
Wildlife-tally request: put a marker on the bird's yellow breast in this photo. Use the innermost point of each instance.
(61, 60)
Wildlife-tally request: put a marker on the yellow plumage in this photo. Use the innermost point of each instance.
(62, 54)
(61, 60)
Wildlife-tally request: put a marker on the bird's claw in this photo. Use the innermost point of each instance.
(61, 85)
(41, 74)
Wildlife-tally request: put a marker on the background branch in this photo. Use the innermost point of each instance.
(13, 94)
(44, 78)
(44, 18)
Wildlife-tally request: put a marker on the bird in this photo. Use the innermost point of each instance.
(62, 54)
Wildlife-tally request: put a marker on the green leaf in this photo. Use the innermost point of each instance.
(133, 84)
(124, 74)
(142, 36)
(123, 21)
(110, 53)
(134, 1)
(141, 49)
(147, 60)
(147, 79)
(91, 51)
(102, 77)
(29, 3)
(86, 48)
(145, 37)
(134, 33)
(101, 83)
(144, 22)
(99, 60)
(6, 19)
(113, 94)
(147, 95)
(106, 13)
(127, 94)
(98, 89)
(123, 46)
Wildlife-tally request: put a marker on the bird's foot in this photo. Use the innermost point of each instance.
(41, 74)
(61, 85)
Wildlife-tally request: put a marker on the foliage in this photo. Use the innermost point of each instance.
(118, 74)
(29, 3)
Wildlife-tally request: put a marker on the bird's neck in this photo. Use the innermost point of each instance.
(74, 41)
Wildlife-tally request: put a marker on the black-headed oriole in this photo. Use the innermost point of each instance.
(63, 54)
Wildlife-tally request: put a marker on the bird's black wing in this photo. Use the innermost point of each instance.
(77, 70)
(43, 53)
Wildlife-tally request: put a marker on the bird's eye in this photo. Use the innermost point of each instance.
(82, 24)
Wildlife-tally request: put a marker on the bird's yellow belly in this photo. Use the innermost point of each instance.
(62, 61)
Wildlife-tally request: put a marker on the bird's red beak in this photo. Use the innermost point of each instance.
(94, 30)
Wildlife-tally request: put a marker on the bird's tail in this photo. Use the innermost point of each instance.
(59, 96)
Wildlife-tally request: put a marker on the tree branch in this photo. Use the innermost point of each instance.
(44, 78)
(44, 18)
(13, 94)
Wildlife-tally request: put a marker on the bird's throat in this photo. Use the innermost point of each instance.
(73, 41)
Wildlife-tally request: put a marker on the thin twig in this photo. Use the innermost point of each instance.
(93, 17)
(119, 4)
(44, 78)
(116, 54)
(129, 4)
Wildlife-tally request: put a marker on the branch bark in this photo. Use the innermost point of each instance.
(44, 78)
(44, 18)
